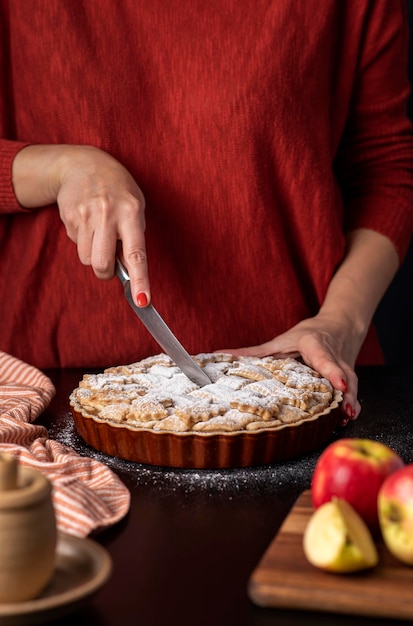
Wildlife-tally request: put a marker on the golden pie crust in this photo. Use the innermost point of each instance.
(254, 412)
(247, 394)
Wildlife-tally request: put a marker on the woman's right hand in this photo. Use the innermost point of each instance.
(99, 203)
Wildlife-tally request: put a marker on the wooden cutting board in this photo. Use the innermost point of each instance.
(285, 579)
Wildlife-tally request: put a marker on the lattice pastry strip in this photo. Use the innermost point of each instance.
(173, 423)
(250, 371)
(233, 382)
(114, 412)
(95, 402)
(291, 414)
(157, 359)
(265, 407)
(274, 364)
(317, 402)
(295, 374)
(263, 424)
(215, 393)
(213, 357)
(201, 412)
(285, 395)
(302, 381)
(96, 382)
(216, 371)
(126, 371)
(232, 420)
(146, 409)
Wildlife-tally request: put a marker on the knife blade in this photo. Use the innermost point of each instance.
(162, 334)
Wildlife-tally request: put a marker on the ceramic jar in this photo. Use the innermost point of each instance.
(27, 532)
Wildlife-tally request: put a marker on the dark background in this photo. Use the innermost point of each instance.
(394, 317)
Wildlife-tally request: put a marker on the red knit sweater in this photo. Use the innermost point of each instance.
(258, 131)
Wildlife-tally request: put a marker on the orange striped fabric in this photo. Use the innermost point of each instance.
(87, 495)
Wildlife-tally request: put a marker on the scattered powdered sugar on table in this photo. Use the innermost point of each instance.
(213, 483)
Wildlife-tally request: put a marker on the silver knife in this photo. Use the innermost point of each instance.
(162, 333)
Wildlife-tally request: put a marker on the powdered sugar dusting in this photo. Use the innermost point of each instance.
(244, 392)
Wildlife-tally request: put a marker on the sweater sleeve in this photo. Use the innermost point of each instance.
(375, 159)
(8, 200)
(8, 147)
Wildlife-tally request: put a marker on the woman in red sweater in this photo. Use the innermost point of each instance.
(255, 158)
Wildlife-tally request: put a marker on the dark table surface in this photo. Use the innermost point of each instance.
(192, 538)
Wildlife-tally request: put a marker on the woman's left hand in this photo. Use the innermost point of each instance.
(326, 347)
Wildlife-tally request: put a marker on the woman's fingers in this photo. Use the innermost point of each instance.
(341, 376)
(100, 204)
(320, 349)
(137, 265)
(132, 235)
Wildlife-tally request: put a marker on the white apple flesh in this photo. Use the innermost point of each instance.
(395, 507)
(337, 540)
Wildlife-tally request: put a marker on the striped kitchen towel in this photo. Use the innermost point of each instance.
(87, 495)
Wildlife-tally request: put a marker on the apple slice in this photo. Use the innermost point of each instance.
(336, 539)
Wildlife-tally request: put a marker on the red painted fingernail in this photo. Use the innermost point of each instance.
(141, 299)
(350, 411)
(343, 385)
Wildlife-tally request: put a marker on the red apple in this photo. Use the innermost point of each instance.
(395, 504)
(354, 469)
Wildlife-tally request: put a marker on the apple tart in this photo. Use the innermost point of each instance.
(137, 411)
